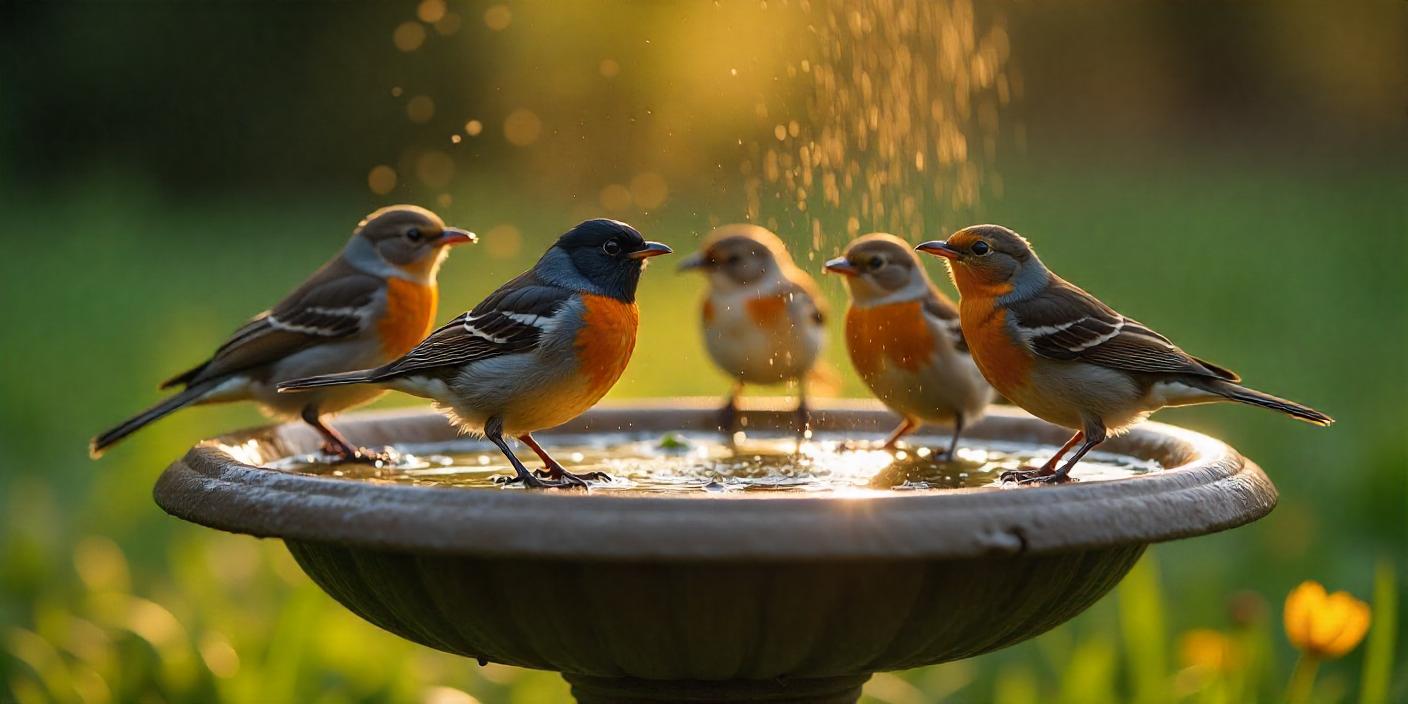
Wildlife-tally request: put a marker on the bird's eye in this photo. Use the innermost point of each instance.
(413, 234)
(875, 263)
(981, 248)
(611, 247)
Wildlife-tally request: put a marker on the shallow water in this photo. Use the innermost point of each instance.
(704, 462)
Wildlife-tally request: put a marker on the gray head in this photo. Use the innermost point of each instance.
(879, 266)
(990, 260)
(739, 256)
(410, 237)
(603, 256)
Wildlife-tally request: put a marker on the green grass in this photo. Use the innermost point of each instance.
(1291, 275)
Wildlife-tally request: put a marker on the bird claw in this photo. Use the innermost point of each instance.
(533, 482)
(360, 455)
(1034, 476)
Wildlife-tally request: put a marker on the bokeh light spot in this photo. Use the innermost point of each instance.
(473, 128)
(498, 17)
(449, 24)
(502, 241)
(609, 68)
(420, 109)
(649, 190)
(615, 198)
(381, 179)
(522, 127)
(435, 169)
(430, 11)
(408, 36)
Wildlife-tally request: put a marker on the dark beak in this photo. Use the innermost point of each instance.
(939, 248)
(452, 236)
(651, 249)
(843, 266)
(698, 260)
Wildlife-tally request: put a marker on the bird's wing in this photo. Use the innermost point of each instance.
(510, 321)
(942, 313)
(1066, 323)
(334, 303)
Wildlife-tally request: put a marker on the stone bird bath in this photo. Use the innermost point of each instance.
(750, 596)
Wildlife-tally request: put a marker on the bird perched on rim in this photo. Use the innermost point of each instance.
(764, 319)
(905, 340)
(536, 353)
(369, 304)
(1069, 359)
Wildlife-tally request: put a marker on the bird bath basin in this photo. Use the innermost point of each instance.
(694, 594)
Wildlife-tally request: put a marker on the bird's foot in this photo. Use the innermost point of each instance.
(562, 475)
(1034, 476)
(358, 455)
(530, 481)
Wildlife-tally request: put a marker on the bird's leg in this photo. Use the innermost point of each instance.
(553, 469)
(728, 415)
(336, 445)
(1045, 470)
(958, 423)
(494, 430)
(906, 426)
(804, 412)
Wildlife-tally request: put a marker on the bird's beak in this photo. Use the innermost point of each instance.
(452, 236)
(698, 260)
(938, 248)
(651, 249)
(843, 266)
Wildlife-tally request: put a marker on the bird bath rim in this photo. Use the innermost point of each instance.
(1206, 486)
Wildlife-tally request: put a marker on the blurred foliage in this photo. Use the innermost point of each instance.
(1231, 174)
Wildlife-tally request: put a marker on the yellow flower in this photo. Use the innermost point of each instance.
(1210, 650)
(1324, 626)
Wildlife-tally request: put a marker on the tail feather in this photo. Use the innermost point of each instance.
(1252, 397)
(98, 445)
(316, 382)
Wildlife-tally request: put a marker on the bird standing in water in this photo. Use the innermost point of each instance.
(905, 340)
(370, 304)
(1069, 359)
(764, 321)
(536, 353)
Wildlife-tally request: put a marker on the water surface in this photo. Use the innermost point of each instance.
(705, 462)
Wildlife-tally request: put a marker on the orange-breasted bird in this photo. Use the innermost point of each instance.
(1069, 359)
(536, 353)
(764, 319)
(905, 340)
(369, 304)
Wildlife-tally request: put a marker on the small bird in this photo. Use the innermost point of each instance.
(764, 319)
(369, 304)
(536, 353)
(1069, 359)
(905, 340)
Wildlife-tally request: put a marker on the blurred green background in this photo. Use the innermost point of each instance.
(1232, 174)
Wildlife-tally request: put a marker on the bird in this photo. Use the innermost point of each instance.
(369, 304)
(764, 319)
(905, 340)
(1069, 359)
(535, 353)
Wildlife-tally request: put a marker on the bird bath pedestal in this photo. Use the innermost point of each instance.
(753, 596)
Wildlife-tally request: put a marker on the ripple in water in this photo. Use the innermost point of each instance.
(701, 463)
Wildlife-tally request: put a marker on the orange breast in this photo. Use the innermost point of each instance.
(606, 340)
(1004, 362)
(708, 310)
(410, 315)
(768, 311)
(893, 333)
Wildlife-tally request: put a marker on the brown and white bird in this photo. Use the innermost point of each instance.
(536, 353)
(905, 340)
(370, 304)
(764, 319)
(1069, 359)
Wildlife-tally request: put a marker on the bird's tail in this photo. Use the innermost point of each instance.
(1252, 397)
(365, 376)
(98, 445)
